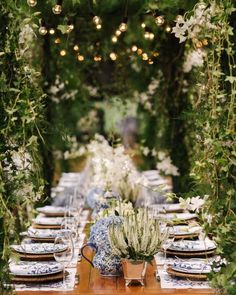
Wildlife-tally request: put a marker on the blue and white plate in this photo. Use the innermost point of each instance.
(31, 269)
(192, 246)
(43, 233)
(38, 249)
(192, 267)
(183, 230)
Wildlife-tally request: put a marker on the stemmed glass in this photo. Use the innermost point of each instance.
(71, 224)
(167, 242)
(64, 257)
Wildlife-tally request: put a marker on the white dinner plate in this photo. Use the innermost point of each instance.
(31, 269)
(48, 220)
(183, 230)
(42, 248)
(51, 210)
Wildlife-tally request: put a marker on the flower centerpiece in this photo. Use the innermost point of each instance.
(136, 240)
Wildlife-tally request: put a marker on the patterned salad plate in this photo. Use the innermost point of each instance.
(48, 222)
(185, 231)
(32, 269)
(42, 251)
(52, 211)
(42, 235)
(192, 267)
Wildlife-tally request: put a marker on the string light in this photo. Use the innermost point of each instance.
(139, 51)
(80, 57)
(57, 41)
(143, 25)
(123, 26)
(159, 20)
(51, 31)
(76, 47)
(151, 36)
(97, 20)
(155, 54)
(63, 52)
(179, 18)
(57, 8)
(98, 27)
(114, 39)
(144, 56)
(134, 48)
(118, 33)
(97, 58)
(150, 62)
(32, 3)
(42, 29)
(146, 35)
(113, 56)
(168, 29)
(70, 27)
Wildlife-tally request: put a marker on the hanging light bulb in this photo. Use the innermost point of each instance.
(179, 18)
(151, 36)
(123, 26)
(42, 29)
(114, 39)
(57, 8)
(159, 20)
(32, 3)
(97, 20)
(80, 57)
(168, 29)
(63, 52)
(70, 27)
(76, 47)
(139, 51)
(155, 54)
(52, 31)
(97, 58)
(118, 33)
(134, 48)
(146, 35)
(113, 56)
(98, 27)
(57, 41)
(144, 56)
(143, 25)
(150, 62)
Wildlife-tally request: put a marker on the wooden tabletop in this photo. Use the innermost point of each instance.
(92, 283)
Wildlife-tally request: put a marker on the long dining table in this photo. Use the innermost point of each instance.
(90, 282)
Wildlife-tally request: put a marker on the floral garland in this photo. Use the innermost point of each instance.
(209, 39)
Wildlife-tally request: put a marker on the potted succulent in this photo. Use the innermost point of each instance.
(136, 240)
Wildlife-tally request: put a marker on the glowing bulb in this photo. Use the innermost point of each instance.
(144, 56)
(168, 29)
(199, 44)
(139, 51)
(70, 28)
(97, 20)
(97, 58)
(76, 48)
(151, 36)
(150, 62)
(43, 30)
(114, 39)
(57, 9)
(98, 27)
(123, 27)
(155, 54)
(205, 42)
(80, 57)
(31, 3)
(159, 20)
(179, 18)
(146, 35)
(63, 52)
(113, 56)
(52, 31)
(134, 48)
(143, 25)
(118, 33)
(57, 41)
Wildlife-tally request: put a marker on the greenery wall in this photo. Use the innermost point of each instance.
(52, 103)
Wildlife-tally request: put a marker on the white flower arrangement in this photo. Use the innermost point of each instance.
(165, 166)
(138, 238)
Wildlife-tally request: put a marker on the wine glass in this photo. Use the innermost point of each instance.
(71, 224)
(64, 257)
(167, 242)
